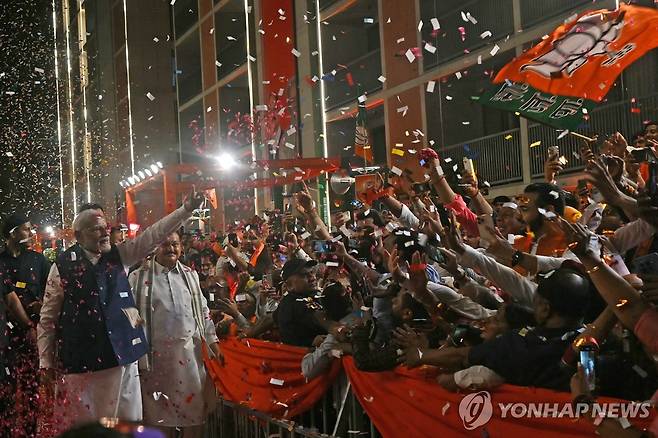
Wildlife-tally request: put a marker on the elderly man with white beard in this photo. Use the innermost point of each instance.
(90, 335)
(176, 392)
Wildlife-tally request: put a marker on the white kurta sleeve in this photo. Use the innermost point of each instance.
(519, 287)
(459, 303)
(407, 218)
(478, 377)
(133, 250)
(632, 234)
(50, 311)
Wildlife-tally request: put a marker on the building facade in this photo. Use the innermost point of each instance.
(419, 64)
(116, 97)
(219, 82)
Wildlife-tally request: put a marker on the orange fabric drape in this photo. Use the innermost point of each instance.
(267, 377)
(410, 403)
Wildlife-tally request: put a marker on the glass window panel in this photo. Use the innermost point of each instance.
(188, 68)
(350, 46)
(230, 37)
(191, 133)
(186, 14)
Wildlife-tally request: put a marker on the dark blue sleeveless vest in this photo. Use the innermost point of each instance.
(93, 332)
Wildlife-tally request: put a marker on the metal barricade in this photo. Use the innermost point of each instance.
(337, 414)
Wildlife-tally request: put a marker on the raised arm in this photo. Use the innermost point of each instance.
(305, 206)
(624, 300)
(134, 250)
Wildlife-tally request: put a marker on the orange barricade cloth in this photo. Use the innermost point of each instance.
(410, 403)
(267, 377)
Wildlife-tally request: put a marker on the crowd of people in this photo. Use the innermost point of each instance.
(552, 288)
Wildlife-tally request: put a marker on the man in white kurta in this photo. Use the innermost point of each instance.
(112, 392)
(175, 389)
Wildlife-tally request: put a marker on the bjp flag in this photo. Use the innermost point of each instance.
(211, 194)
(362, 147)
(563, 77)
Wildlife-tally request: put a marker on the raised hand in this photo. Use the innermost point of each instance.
(194, 200)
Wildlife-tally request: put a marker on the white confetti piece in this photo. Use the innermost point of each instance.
(458, 75)
(332, 264)
(445, 408)
(400, 40)
(290, 145)
(231, 38)
(218, 64)
(430, 48)
(296, 52)
(9, 154)
(464, 18)
(479, 59)
(495, 50)
(38, 70)
(150, 96)
(511, 238)
(396, 170)
(368, 20)
(305, 235)
(172, 2)
(435, 24)
(240, 298)
(381, 79)
(448, 97)
(137, 341)
(277, 382)
(362, 98)
(471, 18)
(485, 34)
(410, 55)
(261, 107)
(291, 131)
(420, 25)
(73, 257)
(430, 86)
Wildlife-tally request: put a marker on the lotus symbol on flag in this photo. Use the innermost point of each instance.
(589, 37)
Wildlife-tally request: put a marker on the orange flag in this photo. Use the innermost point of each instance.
(584, 57)
(211, 194)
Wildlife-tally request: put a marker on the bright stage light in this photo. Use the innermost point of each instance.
(226, 161)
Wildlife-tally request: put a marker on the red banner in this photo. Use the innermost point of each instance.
(411, 403)
(267, 377)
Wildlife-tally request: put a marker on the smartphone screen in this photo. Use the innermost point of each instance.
(322, 246)
(588, 361)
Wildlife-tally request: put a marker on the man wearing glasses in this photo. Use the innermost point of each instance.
(23, 275)
(90, 334)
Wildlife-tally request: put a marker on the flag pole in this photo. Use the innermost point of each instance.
(584, 137)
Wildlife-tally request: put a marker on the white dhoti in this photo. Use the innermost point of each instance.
(177, 392)
(86, 397)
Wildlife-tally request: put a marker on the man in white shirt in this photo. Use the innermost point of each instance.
(176, 392)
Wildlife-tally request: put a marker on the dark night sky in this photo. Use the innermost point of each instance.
(29, 180)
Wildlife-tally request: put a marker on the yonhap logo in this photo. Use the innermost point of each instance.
(476, 409)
